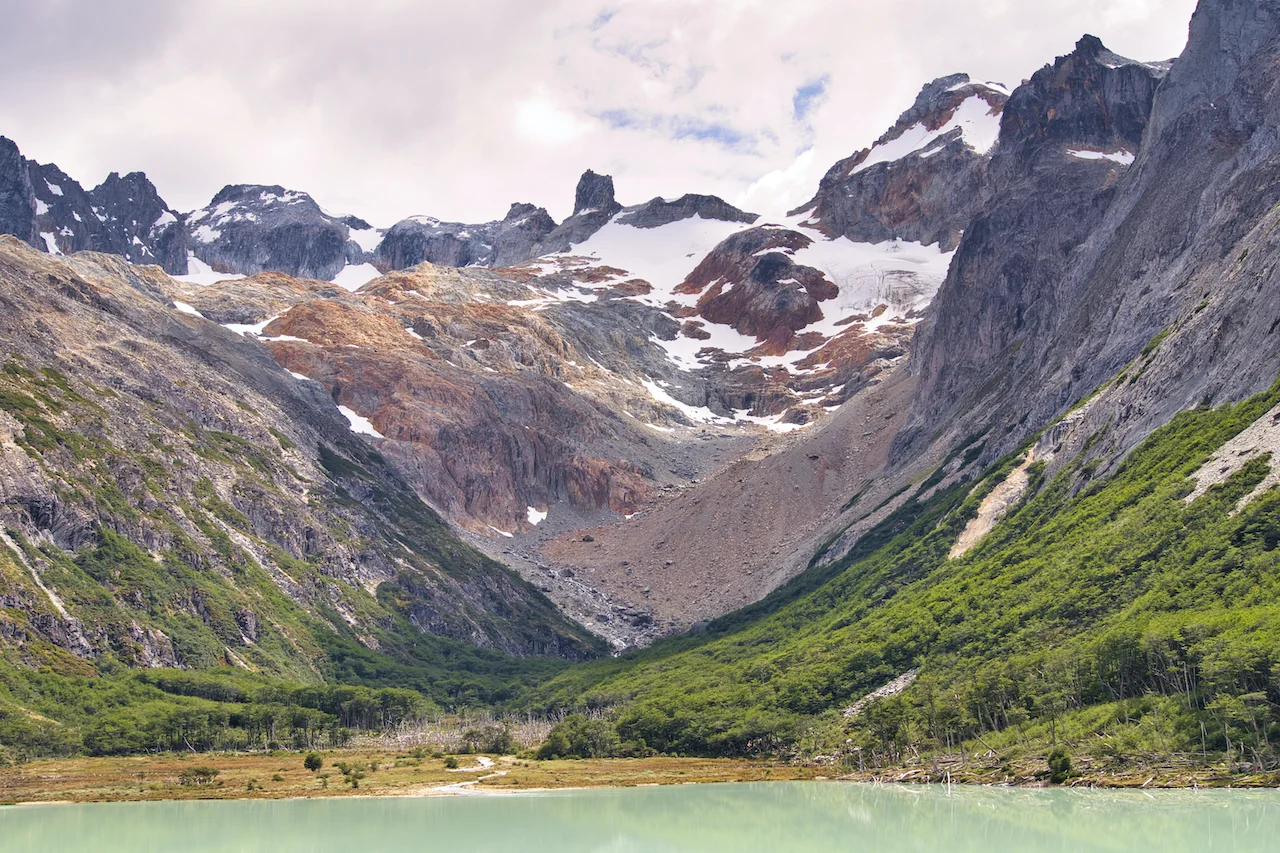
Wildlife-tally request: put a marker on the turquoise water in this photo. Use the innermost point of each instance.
(780, 816)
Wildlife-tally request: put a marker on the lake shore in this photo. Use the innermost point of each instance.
(1086, 772)
(349, 773)
(382, 773)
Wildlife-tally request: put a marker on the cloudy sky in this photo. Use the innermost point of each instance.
(388, 108)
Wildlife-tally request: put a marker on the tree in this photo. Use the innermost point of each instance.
(313, 761)
(1059, 765)
(578, 737)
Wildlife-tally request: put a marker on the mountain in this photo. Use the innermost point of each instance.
(170, 496)
(1067, 138)
(248, 229)
(123, 216)
(972, 451)
(923, 179)
(1072, 539)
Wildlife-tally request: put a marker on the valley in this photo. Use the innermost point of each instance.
(966, 460)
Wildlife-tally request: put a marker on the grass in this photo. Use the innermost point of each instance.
(378, 773)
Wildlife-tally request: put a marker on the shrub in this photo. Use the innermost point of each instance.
(451, 762)
(313, 761)
(1059, 765)
(492, 738)
(193, 776)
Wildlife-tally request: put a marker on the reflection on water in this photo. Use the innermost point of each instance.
(783, 816)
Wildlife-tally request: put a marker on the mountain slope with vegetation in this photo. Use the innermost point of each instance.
(1111, 609)
(171, 498)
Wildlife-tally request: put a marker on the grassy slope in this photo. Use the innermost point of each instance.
(1091, 608)
(117, 590)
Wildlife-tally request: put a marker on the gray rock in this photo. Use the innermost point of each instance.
(593, 206)
(657, 212)
(249, 228)
(927, 196)
(515, 238)
(1169, 299)
(17, 200)
(1001, 301)
(123, 216)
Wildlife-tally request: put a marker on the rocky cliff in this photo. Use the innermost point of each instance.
(923, 179)
(1068, 137)
(49, 210)
(1172, 299)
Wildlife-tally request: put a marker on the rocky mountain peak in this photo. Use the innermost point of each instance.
(251, 228)
(1067, 138)
(938, 101)
(519, 209)
(260, 195)
(1091, 97)
(922, 180)
(17, 201)
(1090, 47)
(595, 193)
(658, 211)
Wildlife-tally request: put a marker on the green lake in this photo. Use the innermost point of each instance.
(780, 816)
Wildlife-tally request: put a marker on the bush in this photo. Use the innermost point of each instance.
(578, 737)
(492, 738)
(451, 763)
(313, 761)
(1059, 765)
(197, 776)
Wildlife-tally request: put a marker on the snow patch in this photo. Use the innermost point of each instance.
(254, 329)
(201, 274)
(535, 517)
(354, 276)
(1124, 158)
(978, 127)
(662, 256)
(53, 188)
(359, 424)
(205, 234)
(50, 243)
(187, 309)
(700, 414)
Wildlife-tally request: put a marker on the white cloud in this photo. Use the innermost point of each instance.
(388, 108)
(540, 120)
(784, 189)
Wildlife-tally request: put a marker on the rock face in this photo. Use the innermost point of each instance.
(171, 496)
(44, 207)
(249, 229)
(658, 212)
(138, 224)
(593, 206)
(1067, 138)
(923, 180)
(529, 232)
(758, 292)
(422, 239)
(17, 199)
